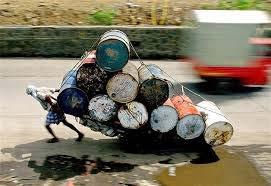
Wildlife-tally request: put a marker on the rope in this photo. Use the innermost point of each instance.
(134, 50)
(212, 111)
(183, 88)
(134, 114)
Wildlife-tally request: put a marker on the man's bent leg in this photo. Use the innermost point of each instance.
(54, 139)
(80, 134)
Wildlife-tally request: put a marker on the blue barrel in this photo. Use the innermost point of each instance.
(113, 51)
(71, 99)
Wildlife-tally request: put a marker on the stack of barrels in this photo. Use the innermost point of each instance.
(111, 95)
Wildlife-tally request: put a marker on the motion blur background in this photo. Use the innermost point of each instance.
(159, 29)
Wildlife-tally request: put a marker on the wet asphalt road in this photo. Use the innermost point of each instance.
(25, 157)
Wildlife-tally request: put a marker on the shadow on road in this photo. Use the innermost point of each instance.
(39, 161)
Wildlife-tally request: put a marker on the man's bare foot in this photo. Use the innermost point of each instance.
(53, 140)
(80, 137)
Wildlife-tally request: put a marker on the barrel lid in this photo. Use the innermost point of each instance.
(164, 118)
(153, 92)
(122, 88)
(112, 55)
(73, 101)
(133, 115)
(102, 108)
(92, 79)
(190, 127)
(218, 133)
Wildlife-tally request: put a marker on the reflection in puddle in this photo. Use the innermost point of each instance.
(208, 170)
(59, 167)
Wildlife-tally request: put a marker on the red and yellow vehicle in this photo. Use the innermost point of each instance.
(228, 46)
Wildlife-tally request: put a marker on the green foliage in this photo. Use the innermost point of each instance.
(242, 4)
(239, 5)
(102, 17)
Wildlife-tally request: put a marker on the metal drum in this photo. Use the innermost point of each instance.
(191, 124)
(133, 115)
(71, 99)
(163, 119)
(113, 50)
(102, 108)
(123, 87)
(219, 130)
(91, 79)
(151, 70)
(154, 89)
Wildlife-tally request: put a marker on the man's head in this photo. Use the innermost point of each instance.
(30, 89)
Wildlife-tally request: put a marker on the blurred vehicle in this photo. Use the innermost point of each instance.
(228, 47)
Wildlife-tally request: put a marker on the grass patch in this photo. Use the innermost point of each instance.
(239, 5)
(242, 4)
(102, 17)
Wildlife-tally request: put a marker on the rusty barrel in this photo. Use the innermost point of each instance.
(123, 87)
(191, 124)
(113, 50)
(102, 108)
(219, 130)
(133, 115)
(164, 118)
(91, 78)
(71, 99)
(154, 89)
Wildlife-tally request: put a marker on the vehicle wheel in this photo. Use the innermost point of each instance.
(209, 85)
(228, 86)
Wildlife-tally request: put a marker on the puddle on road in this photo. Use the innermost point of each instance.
(214, 168)
(59, 167)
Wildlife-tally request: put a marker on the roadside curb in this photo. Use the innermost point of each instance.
(71, 41)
